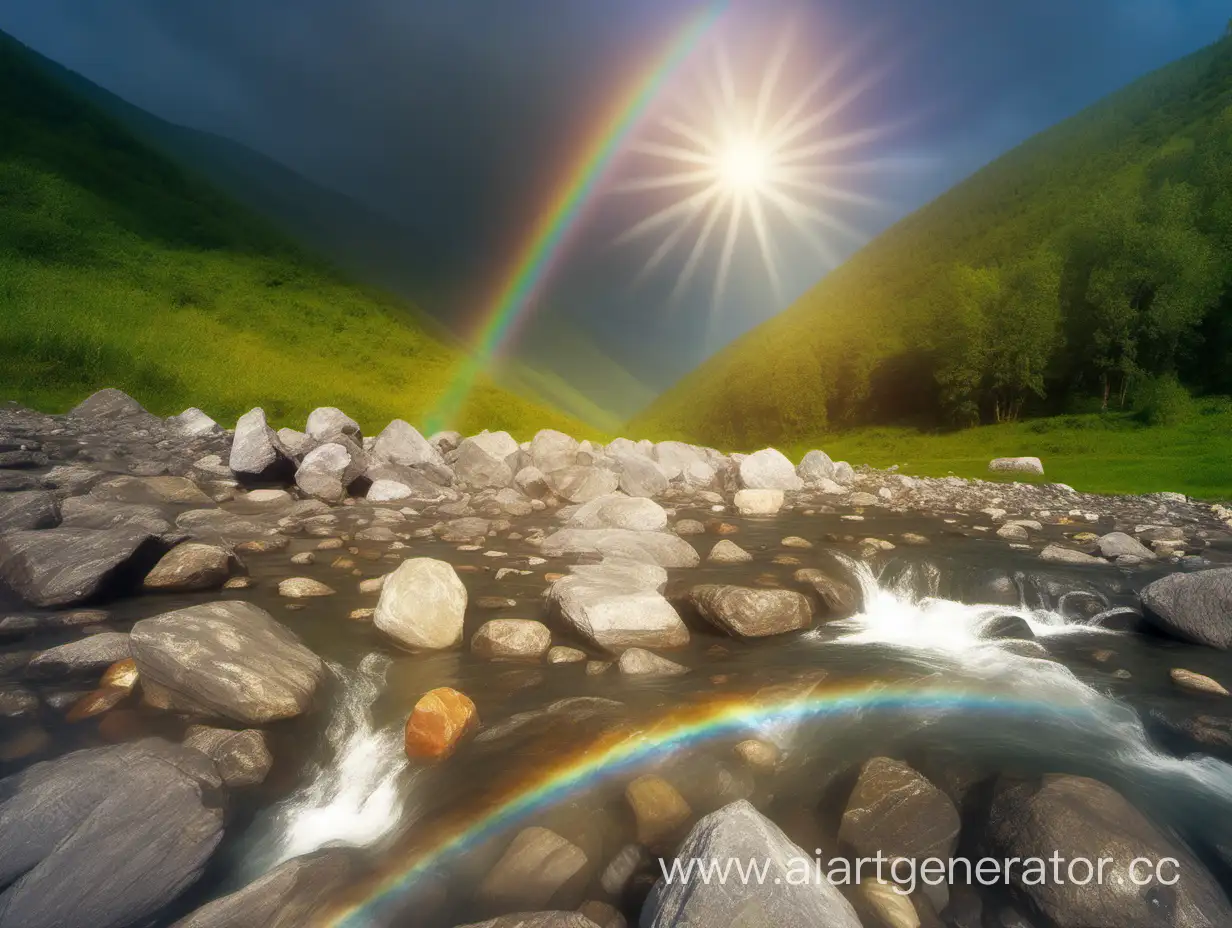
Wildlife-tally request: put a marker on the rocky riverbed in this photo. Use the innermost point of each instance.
(279, 678)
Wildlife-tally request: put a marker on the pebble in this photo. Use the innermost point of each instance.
(303, 558)
(303, 587)
(1196, 682)
(239, 583)
(795, 541)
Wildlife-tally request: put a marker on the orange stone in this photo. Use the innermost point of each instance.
(439, 721)
(96, 703)
(122, 675)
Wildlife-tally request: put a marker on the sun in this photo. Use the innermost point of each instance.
(741, 164)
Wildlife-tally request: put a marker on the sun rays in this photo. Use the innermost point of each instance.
(729, 164)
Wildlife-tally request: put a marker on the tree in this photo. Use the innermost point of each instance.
(962, 340)
(1023, 334)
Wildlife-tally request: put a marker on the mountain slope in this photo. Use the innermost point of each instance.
(119, 269)
(1088, 260)
(580, 378)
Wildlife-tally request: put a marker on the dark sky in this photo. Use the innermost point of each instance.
(457, 116)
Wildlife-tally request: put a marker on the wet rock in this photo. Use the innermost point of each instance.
(511, 639)
(661, 813)
(242, 758)
(400, 443)
(122, 675)
(661, 548)
(190, 566)
(303, 588)
(617, 605)
(86, 657)
(95, 703)
(1011, 531)
(422, 605)
(1196, 682)
(891, 905)
(1016, 466)
(63, 566)
(192, 422)
(620, 512)
(1118, 544)
(689, 527)
(602, 914)
(288, 896)
(226, 659)
(896, 811)
(1003, 627)
(1077, 817)
(28, 510)
(638, 662)
(1058, 554)
(759, 755)
(751, 613)
(1194, 607)
(536, 920)
(565, 655)
(728, 552)
(739, 831)
(537, 864)
(469, 528)
(106, 837)
(256, 451)
(838, 600)
(17, 702)
(758, 502)
(768, 469)
(269, 497)
(440, 720)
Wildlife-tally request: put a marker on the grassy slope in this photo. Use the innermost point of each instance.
(1109, 453)
(117, 269)
(778, 382)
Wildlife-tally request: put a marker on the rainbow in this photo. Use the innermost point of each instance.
(623, 751)
(545, 243)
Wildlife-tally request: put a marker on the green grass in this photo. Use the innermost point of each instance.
(117, 269)
(1108, 453)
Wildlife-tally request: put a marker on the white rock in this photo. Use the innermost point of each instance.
(1016, 466)
(422, 605)
(401, 443)
(612, 511)
(759, 502)
(386, 491)
(769, 469)
(192, 421)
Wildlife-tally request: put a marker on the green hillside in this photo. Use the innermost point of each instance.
(118, 269)
(1088, 267)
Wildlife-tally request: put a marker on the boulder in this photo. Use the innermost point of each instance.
(328, 470)
(512, 639)
(105, 837)
(739, 832)
(536, 920)
(1118, 544)
(758, 502)
(552, 451)
(638, 662)
(582, 483)
(751, 613)
(242, 758)
(1194, 607)
(257, 453)
(28, 510)
(419, 485)
(1077, 817)
(67, 565)
(477, 468)
(618, 605)
(440, 720)
(897, 812)
(661, 814)
(661, 548)
(768, 469)
(844, 473)
(838, 599)
(815, 467)
(612, 511)
(533, 869)
(88, 656)
(328, 422)
(111, 405)
(226, 659)
(422, 605)
(675, 457)
(1016, 466)
(640, 476)
(193, 423)
(190, 566)
(297, 444)
(728, 552)
(400, 443)
(288, 896)
(1058, 554)
(530, 480)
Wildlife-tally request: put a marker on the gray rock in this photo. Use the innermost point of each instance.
(634, 513)
(256, 451)
(661, 548)
(1118, 544)
(530, 480)
(401, 443)
(63, 566)
(580, 484)
(467, 529)
(477, 468)
(675, 457)
(738, 831)
(512, 639)
(728, 552)
(421, 482)
(422, 605)
(111, 405)
(552, 451)
(751, 613)
(896, 811)
(106, 837)
(815, 467)
(289, 896)
(328, 471)
(1194, 607)
(1058, 554)
(328, 422)
(769, 469)
(1076, 817)
(88, 656)
(844, 473)
(838, 599)
(500, 445)
(536, 920)
(638, 662)
(226, 659)
(297, 444)
(533, 869)
(617, 605)
(193, 423)
(1016, 466)
(91, 512)
(28, 510)
(640, 476)
(190, 566)
(242, 758)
